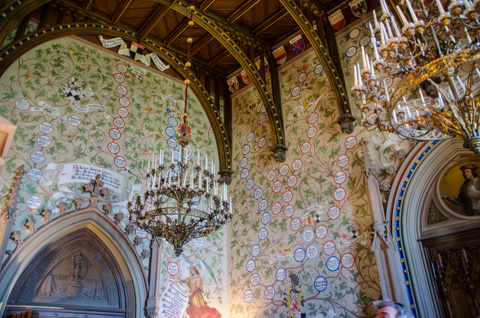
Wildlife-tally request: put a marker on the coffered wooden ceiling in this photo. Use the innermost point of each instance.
(255, 25)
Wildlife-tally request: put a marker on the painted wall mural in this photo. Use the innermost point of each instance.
(82, 112)
(301, 248)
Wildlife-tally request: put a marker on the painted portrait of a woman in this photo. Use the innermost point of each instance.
(197, 306)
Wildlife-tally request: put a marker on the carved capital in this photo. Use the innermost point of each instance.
(151, 312)
(346, 123)
(225, 176)
(279, 152)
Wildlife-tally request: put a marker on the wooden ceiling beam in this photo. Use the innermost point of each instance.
(120, 11)
(229, 28)
(87, 4)
(152, 21)
(272, 19)
(218, 58)
(206, 4)
(198, 45)
(181, 27)
(237, 14)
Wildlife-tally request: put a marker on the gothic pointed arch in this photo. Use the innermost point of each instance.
(80, 262)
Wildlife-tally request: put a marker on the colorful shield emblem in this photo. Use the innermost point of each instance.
(337, 20)
(297, 44)
(136, 51)
(280, 55)
(233, 84)
(358, 7)
(246, 80)
(258, 65)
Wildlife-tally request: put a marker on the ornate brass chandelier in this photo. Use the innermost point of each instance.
(180, 201)
(435, 48)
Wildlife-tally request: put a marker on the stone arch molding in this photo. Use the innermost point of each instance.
(57, 244)
(414, 188)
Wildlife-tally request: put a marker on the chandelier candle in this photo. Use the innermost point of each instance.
(435, 48)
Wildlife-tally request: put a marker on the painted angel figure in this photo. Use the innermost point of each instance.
(197, 306)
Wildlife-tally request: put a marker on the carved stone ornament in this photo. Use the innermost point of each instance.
(346, 123)
(47, 213)
(145, 254)
(119, 217)
(137, 241)
(77, 203)
(385, 185)
(30, 225)
(392, 170)
(279, 152)
(225, 176)
(129, 228)
(107, 208)
(62, 207)
(16, 236)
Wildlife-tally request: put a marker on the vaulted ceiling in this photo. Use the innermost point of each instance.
(227, 36)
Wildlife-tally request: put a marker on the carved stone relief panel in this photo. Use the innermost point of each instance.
(77, 273)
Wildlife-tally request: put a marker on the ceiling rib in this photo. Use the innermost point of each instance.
(272, 19)
(181, 27)
(87, 4)
(237, 14)
(120, 11)
(199, 44)
(218, 58)
(206, 4)
(152, 20)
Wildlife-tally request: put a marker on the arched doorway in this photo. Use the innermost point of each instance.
(79, 264)
(438, 246)
(75, 275)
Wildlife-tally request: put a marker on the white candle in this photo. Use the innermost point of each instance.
(199, 180)
(440, 7)
(440, 99)
(407, 110)
(198, 157)
(375, 49)
(131, 194)
(395, 26)
(359, 73)
(384, 7)
(225, 190)
(363, 58)
(412, 12)
(148, 168)
(402, 16)
(231, 210)
(372, 32)
(185, 179)
(421, 96)
(355, 73)
(206, 161)
(207, 179)
(394, 114)
(389, 29)
(375, 19)
(382, 34)
(386, 90)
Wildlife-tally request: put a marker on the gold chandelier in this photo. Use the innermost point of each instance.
(434, 49)
(180, 201)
